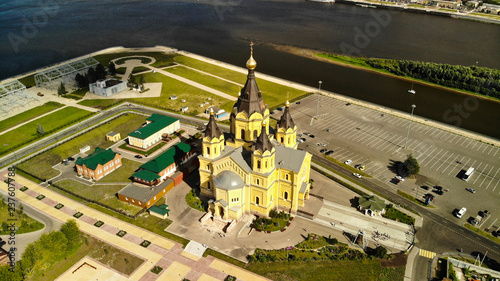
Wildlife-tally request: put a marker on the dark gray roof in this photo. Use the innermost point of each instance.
(212, 130)
(289, 158)
(250, 99)
(228, 180)
(286, 120)
(143, 193)
(223, 203)
(263, 143)
(242, 158)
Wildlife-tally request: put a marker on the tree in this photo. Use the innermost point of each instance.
(62, 90)
(81, 81)
(411, 166)
(131, 79)
(70, 230)
(379, 252)
(91, 76)
(100, 72)
(40, 129)
(112, 68)
(5, 226)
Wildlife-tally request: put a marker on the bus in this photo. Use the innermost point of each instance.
(468, 174)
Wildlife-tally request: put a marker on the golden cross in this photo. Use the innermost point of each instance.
(251, 47)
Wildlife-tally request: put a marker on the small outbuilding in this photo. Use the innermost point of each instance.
(159, 211)
(112, 136)
(371, 205)
(108, 87)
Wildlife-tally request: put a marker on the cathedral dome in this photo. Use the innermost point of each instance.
(228, 180)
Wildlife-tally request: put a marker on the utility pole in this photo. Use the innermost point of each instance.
(319, 96)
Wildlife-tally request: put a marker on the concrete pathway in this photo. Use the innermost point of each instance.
(162, 252)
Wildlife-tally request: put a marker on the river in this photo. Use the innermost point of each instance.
(221, 29)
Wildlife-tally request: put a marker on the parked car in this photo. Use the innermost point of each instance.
(311, 136)
(297, 102)
(138, 156)
(329, 152)
(356, 175)
(306, 133)
(323, 150)
(348, 162)
(440, 192)
(438, 187)
(328, 130)
(424, 187)
(71, 159)
(400, 178)
(471, 190)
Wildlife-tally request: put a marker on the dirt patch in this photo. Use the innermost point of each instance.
(397, 260)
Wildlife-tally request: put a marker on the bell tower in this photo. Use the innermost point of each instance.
(263, 153)
(286, 130)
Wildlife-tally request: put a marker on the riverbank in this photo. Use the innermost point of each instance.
(414, 8)
(312, 54)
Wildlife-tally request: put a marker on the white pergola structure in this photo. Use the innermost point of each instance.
(51, 78)
(13, 94)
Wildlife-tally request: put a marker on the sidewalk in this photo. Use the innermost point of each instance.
(161, 252)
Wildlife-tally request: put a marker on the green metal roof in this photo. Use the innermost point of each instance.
(99, 156)
(167, 158)
(162, 209)
(372, 203)
(158, 122)
(146, 175)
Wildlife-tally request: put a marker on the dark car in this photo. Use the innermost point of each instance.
(437, 191)
(297, 102)
(329, 152)
(138, 156)
(71, 159)
(424, 187)
(323, 150)
(438, 187)
(311, 136)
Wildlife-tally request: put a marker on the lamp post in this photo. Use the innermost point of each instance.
(319, 96)
(409, 125)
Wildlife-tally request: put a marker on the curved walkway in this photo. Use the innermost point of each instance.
(162, 252)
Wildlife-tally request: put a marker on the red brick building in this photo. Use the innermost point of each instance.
(98, 164)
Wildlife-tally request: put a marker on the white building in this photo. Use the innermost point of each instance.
(108, 87)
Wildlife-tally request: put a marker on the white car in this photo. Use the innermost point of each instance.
(400, 178)
(348, 162)
(356, 175)
(471, 190)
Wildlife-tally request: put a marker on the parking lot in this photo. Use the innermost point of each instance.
(377, 140)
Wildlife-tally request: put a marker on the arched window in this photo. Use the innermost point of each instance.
(286, 195)
(289, 140)
(266, 164)
(258, 182)
(282, 139)
(255, 134)
(215, 150)
(208, 185)
(257, 200)
(258, 164)
(208, 150)
(208, 167)
(242, 133)
(286, 177)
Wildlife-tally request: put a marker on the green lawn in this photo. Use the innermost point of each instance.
(395, 214)
(366, 270)
(207, 80)
(413, 199)
(105, 194)
(98, 103)
(51, 123)
(113, 257)
(28, 81)
(162, 59)
(138, 69)
(29, 114)
(123, 173)
(76, 95)
(41, 165)
(23, 222)
(274, 94)
(193, 96)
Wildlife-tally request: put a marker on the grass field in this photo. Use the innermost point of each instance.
(193, 96)
(105, 194)
(367, 270)
(113, 257)
(24, 222)
(41, 165)
(76, 95)
(123, 173)
(28, 81)
(162, 59)
(28, 132)
(28, 115)
(98, 103)
(207, 80)
(274, 94)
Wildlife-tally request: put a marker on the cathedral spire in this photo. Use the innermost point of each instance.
(250, 100)
(286, 120)
(263, 143)
(212, 130)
